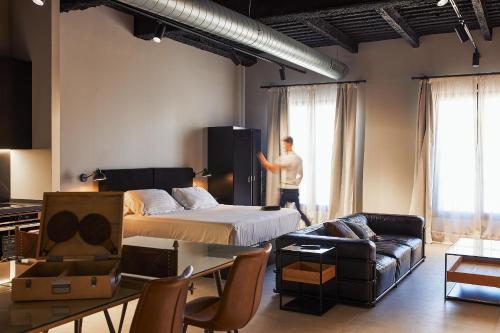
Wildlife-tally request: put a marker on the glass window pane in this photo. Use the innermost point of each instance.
(455, 155)
(491, 154)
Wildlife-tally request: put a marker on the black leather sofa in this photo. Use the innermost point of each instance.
(366, 270)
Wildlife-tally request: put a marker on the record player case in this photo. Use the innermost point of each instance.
(78, 249)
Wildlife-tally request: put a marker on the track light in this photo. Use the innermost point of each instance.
(39, 2)
(160, 31)
(461, 32)
(442, 3)
(282, 73)
(475, 58)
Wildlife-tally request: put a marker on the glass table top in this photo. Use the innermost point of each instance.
(475, 248)
(30, 316)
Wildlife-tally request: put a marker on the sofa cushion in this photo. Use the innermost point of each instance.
(337, 228)
(361, 229)
(400, 252)
(414, 243)
(386, 272)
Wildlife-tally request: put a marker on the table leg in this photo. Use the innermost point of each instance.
(78, 325)
(218, 282)
(122, 317)
(109, 321)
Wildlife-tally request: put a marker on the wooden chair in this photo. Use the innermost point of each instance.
(240, 299)
(161, 305)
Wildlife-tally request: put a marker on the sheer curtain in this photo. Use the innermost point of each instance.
(277, 127)
(466, 195)
(343, 182)
(455, 173)
(421, 197)
(489, 144)
(311, 115)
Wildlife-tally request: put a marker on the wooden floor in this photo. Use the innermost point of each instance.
(415, 306)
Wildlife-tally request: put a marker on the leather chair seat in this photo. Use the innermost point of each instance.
(400, 252)
(386, 272)
(201, 311)
(413, 242)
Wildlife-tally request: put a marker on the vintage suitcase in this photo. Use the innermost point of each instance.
(78, 248)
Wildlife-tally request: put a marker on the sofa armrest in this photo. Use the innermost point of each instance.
(346, 248)
(408, 225)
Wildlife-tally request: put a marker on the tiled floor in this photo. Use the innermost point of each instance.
(415, 306)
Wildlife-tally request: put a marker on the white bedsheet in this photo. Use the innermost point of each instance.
(224, 224)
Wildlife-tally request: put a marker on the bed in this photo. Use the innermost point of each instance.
(224, 224)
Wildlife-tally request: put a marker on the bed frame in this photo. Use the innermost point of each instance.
(146, 178)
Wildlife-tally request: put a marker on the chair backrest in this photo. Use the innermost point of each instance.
(161, 305)
(243, 289)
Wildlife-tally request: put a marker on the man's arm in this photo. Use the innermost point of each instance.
(273, 167)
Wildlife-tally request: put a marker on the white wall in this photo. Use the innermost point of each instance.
(128, 103)
(28, 176)
(390, 103)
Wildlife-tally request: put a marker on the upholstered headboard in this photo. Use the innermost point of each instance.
(146, 178)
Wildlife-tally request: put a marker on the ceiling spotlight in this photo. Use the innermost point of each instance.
(160, 31)
(39, 2)
(475, 58)
(461, 32)
(282, 73)
(442, 3)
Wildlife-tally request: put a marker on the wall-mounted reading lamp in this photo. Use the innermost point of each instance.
(204, 173)
(97, 176)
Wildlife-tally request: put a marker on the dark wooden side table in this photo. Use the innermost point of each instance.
(309, 268)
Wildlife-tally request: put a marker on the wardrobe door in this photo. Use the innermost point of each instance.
(256, 169)
(220, 163)
(242, 182)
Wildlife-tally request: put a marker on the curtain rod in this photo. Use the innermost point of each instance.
(309, 84)
(456, 75)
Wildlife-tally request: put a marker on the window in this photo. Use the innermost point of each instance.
(466, 193)
(311, 118)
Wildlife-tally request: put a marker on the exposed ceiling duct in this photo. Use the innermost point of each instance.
(218, 20)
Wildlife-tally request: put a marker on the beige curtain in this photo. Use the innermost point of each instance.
(421, 198)
(343, 183)
(277, 122)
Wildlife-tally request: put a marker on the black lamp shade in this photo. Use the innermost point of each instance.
(97, 176)
(461, 33)
(206, 173)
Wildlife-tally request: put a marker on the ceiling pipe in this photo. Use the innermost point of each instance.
(218, 20)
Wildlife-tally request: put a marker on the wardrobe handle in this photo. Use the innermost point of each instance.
(249, 179)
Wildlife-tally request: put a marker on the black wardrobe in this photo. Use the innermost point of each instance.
(233, 163)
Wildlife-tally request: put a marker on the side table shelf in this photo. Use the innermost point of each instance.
(304, 271)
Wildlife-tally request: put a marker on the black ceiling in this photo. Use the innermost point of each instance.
(319, 23)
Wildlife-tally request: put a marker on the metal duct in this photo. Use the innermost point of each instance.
(220, 21)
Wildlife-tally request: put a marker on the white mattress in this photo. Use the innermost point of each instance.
(224, 224)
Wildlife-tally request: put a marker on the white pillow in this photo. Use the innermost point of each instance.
(150, 202)
(194, 198)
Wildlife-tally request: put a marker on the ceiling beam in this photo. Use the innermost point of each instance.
(326, 29)
(271, 11)
(482, 18)
(399, 24)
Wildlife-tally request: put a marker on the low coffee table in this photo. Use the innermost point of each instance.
(472, 271)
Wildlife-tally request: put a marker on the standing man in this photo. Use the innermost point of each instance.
(290, 165)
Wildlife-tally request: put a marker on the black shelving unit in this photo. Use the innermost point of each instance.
(305, 302)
